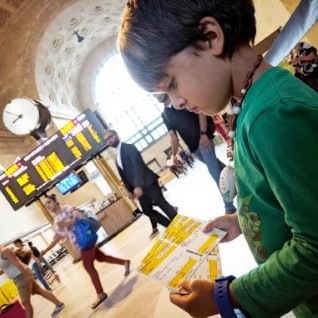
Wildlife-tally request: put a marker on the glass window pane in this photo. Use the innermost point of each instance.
(149, 139)
(131, 111)
(155, 134)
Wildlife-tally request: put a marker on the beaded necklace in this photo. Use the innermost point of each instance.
(236, 106)
(227, 177)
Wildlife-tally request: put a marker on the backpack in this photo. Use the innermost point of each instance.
(85, 234)
(92, 218)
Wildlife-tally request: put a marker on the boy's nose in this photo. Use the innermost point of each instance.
(178, 102)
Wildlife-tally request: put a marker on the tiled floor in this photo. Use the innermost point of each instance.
(196, 195)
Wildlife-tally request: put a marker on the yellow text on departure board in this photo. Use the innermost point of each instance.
(84, 142)
(76, 152)
(28, 189)
(69, 143)
(49, 167)
(12, 195)
(12, 169)
(24, 179)
(94, 133)
(67, 128)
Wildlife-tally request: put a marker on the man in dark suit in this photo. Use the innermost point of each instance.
(140, 181)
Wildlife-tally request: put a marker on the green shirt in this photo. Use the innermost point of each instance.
(276, 160)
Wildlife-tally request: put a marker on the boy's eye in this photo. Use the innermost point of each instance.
(172, 84)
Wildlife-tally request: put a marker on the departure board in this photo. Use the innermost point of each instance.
(39, 170)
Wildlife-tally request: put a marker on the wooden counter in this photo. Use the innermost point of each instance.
(115, 217)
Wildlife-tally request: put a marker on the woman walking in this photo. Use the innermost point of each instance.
(63, 227)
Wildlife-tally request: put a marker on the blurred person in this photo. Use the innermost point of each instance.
(65, 217)
(304, 58)
(140, 182)
(196, 130)
(220, 126)
(22, 276)
(24, 254)
(39, 257)
(187, 158)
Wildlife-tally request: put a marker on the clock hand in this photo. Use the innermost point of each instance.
(12, 113)
(19, 116)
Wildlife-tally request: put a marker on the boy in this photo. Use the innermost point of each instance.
(200, 53)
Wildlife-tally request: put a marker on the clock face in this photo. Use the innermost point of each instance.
(21, 116)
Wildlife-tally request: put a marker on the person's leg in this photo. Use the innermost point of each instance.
(146, 203)
(28, 308)
(25, 291)
(215, 167)
(49, 296)
(183, 169)
(164, 188)
(47, 264)
(146, 206)
(173, 171)
(37, 289)
(102, 257)
(88, 257)
(38, 275)
(189, 162)
(155, 194)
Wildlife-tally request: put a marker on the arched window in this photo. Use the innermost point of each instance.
(132, 112)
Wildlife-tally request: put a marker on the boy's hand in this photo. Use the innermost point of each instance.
(228, 223)
(199, 301)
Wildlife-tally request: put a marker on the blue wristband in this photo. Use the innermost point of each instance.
(222, 299)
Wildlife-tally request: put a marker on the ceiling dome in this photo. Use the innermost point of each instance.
(61, 55)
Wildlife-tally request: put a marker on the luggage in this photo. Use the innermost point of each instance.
(13, 310)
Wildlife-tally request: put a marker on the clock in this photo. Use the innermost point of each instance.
(23, 116)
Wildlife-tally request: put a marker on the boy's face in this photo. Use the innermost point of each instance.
(200, 82)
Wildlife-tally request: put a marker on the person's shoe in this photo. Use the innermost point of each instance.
(155, 232)
(127, 267)
(100, 298)
(57, 309)
(230, 211)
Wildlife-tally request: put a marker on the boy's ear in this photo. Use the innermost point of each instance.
(214, 34)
